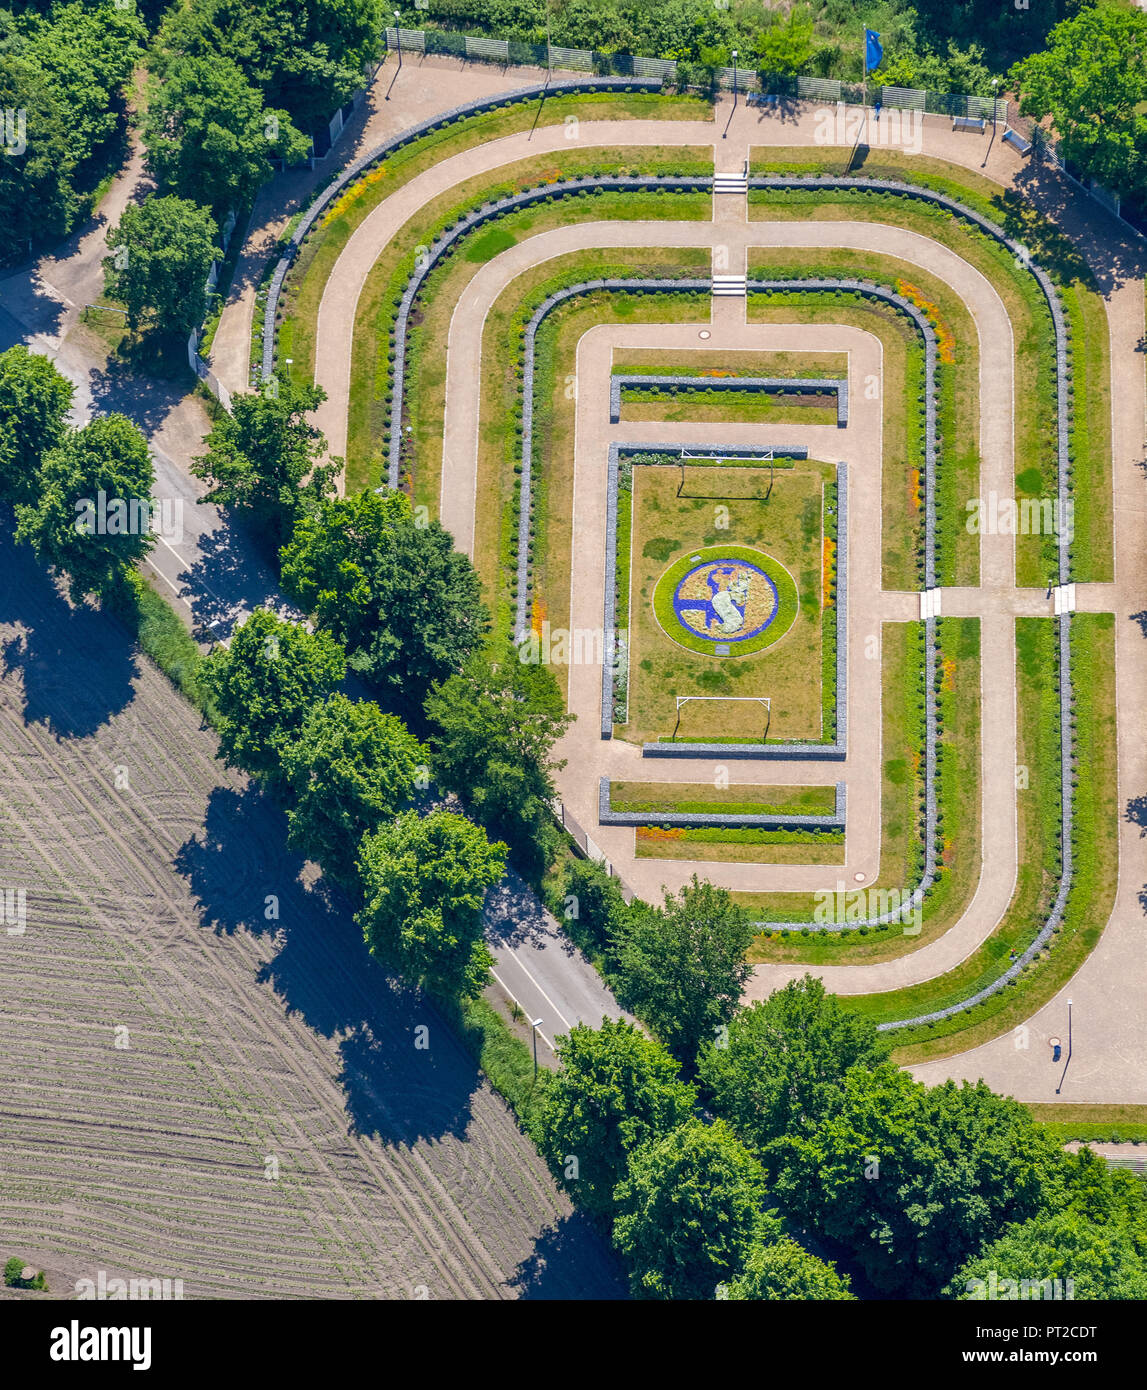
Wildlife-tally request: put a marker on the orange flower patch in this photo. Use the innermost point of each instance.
(945, 338)
(948, 665)
(354, 193)
(658, 832)
(537, 616)
(827, 570)
(915, 491)
(717, 371)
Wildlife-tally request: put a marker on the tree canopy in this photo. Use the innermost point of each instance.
(90, 517)
(34, 403)
(689, 1212)
(265, 685)
(424, 882)
(161, 254)
(263, 457)
(405, 604)
(784, 1059)
(616, 1090)
(682, 967)
(783, 1271)
(350, 768)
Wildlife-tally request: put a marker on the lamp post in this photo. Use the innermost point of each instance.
(534, 1025)
(398, 35)
(1067, 1063)
(734, 79)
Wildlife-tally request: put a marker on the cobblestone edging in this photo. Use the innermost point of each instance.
(686, 819)
(766, 385)
(416, 132)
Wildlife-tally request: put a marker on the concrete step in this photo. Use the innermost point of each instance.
(730, 183)
(731, 284)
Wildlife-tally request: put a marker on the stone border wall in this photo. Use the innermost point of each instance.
(766, 385)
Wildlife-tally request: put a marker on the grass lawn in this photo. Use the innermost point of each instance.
(741, 362)
(554, 410)
(958, 471)
(1095, 848)
(740, 846)
(749, 407)
(1092, 550)
(667, 529)
(901, 850)
(743, 799)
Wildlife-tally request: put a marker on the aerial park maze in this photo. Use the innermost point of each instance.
(714, 452)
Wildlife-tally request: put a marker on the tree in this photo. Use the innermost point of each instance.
(916, 1179)
(787, 44)
(1092, 82)
(14, 1276)
(405, 604)
(161, 255)
(34, 403)
(350, 769)
(263, 457)
(683, 967)
(689, 1212)
(91, 516)
(1089, 1261)
(782, 1064)
(615, 1091)
(37, 199)
(264, 686)
(781, 1270)
(424, 882)
(593, 906)
(494, 727)
(210, 138)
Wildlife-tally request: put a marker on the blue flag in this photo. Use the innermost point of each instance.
(873, 53)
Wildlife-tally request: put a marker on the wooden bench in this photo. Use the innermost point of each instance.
(969, 123)
(1013, 137)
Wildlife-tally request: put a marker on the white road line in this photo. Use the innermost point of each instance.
(522, 1006)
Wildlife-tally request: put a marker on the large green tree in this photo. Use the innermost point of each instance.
(781, 1065)
(161, 253)
(209, 136)
(916, 1179)
(1089, 1261)
(615, 1091)
(91, 514)
(263, 457)
(406, 605)
(783, 1271)
(424, 882)
(1092, 82)
(689, 1211)
(264, 686)
(37, 199)
(494, 726)
(682, 967)
(34, 403)
(350, 768)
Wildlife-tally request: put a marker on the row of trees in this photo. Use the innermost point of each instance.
(927, 1191)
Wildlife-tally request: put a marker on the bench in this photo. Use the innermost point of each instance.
(1013, 137)
(765, 99)
(969, 123)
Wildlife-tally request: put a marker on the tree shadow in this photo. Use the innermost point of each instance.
(514, 916)
(77, 664)
(1141, 619)
(1136, 813)
(572, 1243)
(231, 574)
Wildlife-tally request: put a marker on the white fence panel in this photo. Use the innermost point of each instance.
(576, 59)
(496, 50)
(904, 98)
(654, 67)
(818, 88)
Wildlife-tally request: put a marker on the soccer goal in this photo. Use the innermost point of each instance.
(716, 478)
(763, 700)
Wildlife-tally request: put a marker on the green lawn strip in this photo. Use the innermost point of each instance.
(706, 407)
(308, 275)
(500, 423)
(1083, 307)
(665, 661)
(162, 636)
(739, 800)
(741, 362)
(505, 1059)
(1069, 1131)
(901, 533)
(1094, 846)
(828, 611)
(902, 783)
(958, 422)
(735, 847)
(1111, 1124)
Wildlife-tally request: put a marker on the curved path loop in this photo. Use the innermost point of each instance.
(1117, 1067)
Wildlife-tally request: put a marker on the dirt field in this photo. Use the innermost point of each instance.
(252, 1045)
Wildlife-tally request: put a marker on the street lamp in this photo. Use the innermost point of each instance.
(398, 35)
(1067, 1063)
(534, 1025)
(734, 79)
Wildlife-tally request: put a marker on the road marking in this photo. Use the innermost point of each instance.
(526, 971)
(522, 1006)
